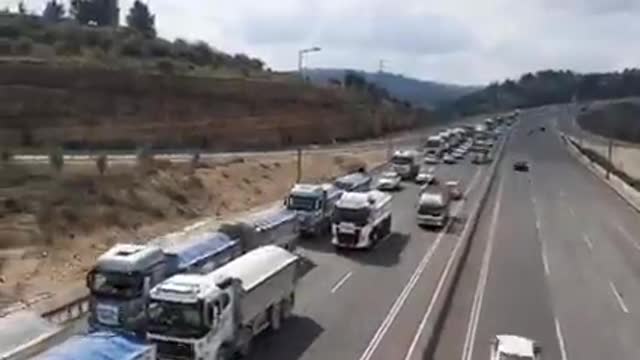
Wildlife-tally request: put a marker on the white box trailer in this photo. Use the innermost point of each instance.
(216, 316)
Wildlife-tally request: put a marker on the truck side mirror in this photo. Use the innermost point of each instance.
(285, 201)
(89, 279)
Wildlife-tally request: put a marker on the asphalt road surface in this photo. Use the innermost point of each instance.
(369, 304)
(556, 258)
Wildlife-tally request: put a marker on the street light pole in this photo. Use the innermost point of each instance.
(301, 54)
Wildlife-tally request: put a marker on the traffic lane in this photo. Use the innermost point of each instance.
(512, 296)
(340, 324)
(592, 277)
(449, 341)
(403, 337)
(614, 231)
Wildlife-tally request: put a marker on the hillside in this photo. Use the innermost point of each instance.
(619, 121)
(548, 87)
(422, 93)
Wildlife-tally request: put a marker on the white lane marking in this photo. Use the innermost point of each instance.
(572, 212)
(341, 282)
(562, 193)
(545, 262)
(628, 236)
(472, 326)
(537, 224)
(587, 240)
(616, 294)
(436, 294)
(406, 291)
(563, 350)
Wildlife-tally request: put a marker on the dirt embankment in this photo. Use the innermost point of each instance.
(53, 226)
(620, 121)
(90, 108)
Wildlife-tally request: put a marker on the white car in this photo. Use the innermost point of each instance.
(448, 159)
(389, 181)
(459, 154)
(454, 190)
(513, 347)
(425, 177)
(431, 160)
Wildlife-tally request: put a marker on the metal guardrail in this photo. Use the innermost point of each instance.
(68, 312)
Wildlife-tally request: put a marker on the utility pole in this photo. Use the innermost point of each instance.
(610, 155)
(301, 54)
(389, 121)
(299, 176)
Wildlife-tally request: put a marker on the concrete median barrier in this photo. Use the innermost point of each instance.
(451, 273)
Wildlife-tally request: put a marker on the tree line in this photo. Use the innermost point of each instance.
(548, 87)
(90, 28)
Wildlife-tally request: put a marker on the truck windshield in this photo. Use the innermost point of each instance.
(401, 160)
(303, 203)
(176, 319)
(356, 216)
(116, 285)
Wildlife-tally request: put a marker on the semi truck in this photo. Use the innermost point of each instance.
(433, 207)
(434, 146)
(406, 163)
(217, 315)
(361, 220)
(100, 346)
(120, 281)
(314, 206)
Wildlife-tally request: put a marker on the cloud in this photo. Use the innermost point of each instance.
(465, 41)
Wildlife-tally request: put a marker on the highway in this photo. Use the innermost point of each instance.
(555, 258)
(369, 305)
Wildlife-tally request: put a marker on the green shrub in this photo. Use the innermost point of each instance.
(10, 31)
(160, 48)
(23, 46)
(6, 47)
(66, 48)
(132, 46)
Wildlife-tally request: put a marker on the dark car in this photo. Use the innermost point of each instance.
(543, 129)
(521, 166)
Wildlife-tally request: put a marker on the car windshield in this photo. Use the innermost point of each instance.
(302, 203)
(116, 285)
(389, 176)
(176, 319)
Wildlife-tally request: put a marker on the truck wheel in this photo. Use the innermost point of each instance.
(276, 317)
(245, 340)
(286, 306)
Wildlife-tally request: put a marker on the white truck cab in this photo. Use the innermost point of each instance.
(216, 315)
(433, 207)
(513, 347)
(361, 219)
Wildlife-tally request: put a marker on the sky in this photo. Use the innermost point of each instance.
(454, 41)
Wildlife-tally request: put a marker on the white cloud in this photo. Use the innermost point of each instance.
(466, 41)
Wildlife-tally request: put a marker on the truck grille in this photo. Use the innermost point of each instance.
(174, 350)
(348, 239)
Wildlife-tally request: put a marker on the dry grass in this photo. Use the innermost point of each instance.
(53, 227)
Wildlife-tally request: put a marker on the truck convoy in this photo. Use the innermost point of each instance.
(361, 220)
(406, 163)
(433, 207)
(314, 206)
(216, 315)
(120, 281)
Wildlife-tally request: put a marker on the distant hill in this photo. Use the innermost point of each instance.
(548, 87)
(422, 93)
